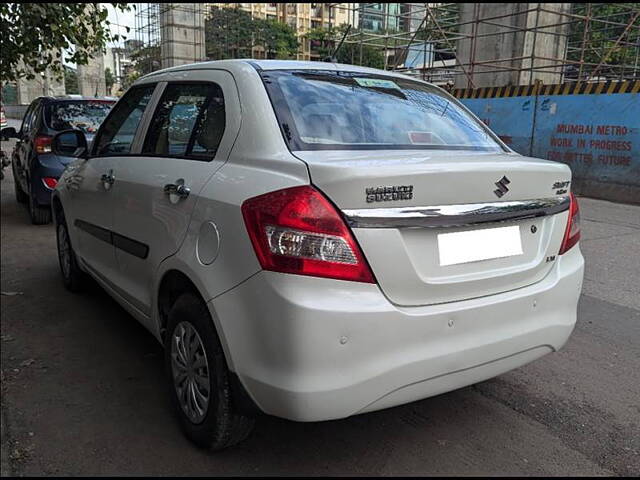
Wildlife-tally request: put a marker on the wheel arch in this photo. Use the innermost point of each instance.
(56, 207)
(173, 284)
(174, 281)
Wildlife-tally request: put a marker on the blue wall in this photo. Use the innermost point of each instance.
(598, 136)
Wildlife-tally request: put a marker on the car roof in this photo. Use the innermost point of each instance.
(278, 65)
(66, 98)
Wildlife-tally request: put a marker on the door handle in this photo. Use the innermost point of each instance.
(179, 189)
(107, 179)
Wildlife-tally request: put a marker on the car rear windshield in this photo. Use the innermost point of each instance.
(328, 110)
(84, 115)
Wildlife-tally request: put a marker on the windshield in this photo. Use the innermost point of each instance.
(83, 115)
(325, 110)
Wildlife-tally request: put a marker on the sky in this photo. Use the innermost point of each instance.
(119, 20)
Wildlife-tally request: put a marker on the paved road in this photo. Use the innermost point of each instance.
(83, 388)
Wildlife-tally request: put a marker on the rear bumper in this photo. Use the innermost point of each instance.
(312, 349)
(47, 165)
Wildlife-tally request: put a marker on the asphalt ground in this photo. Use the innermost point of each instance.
(84, 391)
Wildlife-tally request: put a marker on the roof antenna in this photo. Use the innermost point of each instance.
(332, 58)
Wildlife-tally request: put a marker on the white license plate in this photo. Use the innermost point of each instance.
(475, 245)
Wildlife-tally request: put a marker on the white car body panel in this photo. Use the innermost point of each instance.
(152, 217)
(412, 275)
(91, 202)
(310, 357)
(308, 348)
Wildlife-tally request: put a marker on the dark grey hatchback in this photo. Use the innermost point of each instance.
(35, 168)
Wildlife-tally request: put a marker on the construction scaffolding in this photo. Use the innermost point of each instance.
(168, 34)
(462, 45)
(556, 42)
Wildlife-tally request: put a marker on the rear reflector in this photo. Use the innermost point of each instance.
(43, 144)
(50, 182)
(572, 232)
(297, 230)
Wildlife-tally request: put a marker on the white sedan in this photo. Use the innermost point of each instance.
(315, 240)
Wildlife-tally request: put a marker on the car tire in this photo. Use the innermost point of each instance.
(39, 215)
(21, 196)
(213, 424)
(73, 278)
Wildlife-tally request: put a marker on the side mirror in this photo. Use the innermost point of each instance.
(70, 143)
(8, 132)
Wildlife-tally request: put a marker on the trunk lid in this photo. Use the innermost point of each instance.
(405, 259)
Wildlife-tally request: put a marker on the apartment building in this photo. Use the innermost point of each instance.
(302, 17)
(391, 17)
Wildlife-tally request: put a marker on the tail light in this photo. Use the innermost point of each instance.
(43, 144)
(50, 182)
(297, 230)
(572, 232)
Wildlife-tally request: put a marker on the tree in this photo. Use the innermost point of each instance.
(146, 59)
(601, 37)
(109, 79)
(232, 33)
(278, 39)
(35, 34)
(322, 40)
(228, 33)
(325, 40)
(70, 80)
(131, 77)
(371, 56)
(9, 94)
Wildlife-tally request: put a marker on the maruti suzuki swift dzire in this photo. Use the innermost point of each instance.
(316, 240)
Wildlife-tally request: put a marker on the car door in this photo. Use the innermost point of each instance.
(189, 137)
(23, 149)
(91, 182)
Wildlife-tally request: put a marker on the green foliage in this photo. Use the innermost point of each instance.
(109, 79)
(232, 33)
(131, 77)
(9, 94)
(71, 80)
(325, 40)
(146, 59)
(601, 37)
(278, 39)
(351, 53)
(34, 35)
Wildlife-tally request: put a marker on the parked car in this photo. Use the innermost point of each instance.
(3, 118)
(315, 241)
(4, 162)
(35, 168)
(4, 159)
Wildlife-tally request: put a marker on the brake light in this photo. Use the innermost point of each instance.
(572, 232)
(297, 230)
(43, 144)
(50, 182)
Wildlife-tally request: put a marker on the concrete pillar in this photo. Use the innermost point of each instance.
(91, 82)
(44, 84)
(512, 40)
(182, 33)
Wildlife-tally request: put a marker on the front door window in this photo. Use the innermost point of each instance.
(119, 129)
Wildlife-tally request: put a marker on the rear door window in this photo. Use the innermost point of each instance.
(116, 135)
(188, 123)
(27, 120)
